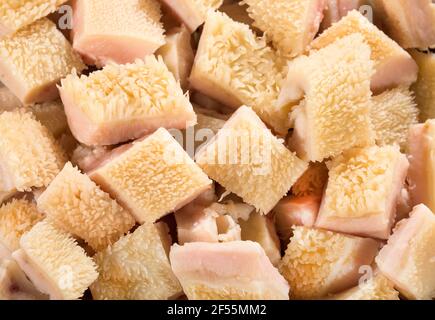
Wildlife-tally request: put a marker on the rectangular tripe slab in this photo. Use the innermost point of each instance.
(191, 12)
(54, 262)
(291, 24)
(102, 27)
(363, 188)
(154, 177)
(34, 59)
(393, 113)
(237, 270)
(235, 67)
(408, 258)
(16, 14)
(104, 110)
(77, 205)
(29, 155)
(334, 99)
(248, 160)
(317, 262)
(393, 65)
(136, 267)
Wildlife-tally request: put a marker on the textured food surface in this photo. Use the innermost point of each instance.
(424, 88)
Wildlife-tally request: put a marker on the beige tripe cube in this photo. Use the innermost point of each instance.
(74, 203)
(154, 177)
(55, 263)
(408, 259)
(15, 14)
(30, 157)
(124, 102)
(291, 24)
(393, 65)
(393, 113)
(16, 218)
(116, 30)
(235, 67)
(192, 12)
(136, 268)
(34, 59)
(317, 263)
(248, 160)
(334, 99)
(362, 192)
(424, 88)
(51, 115)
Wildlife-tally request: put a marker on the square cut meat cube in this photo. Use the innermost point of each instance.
(124, 102)
(333, 113)
(136, 267)
(74, 203)
(408, 258)
(248, 160)
(237, 270)
(290, 24)
(362, 193)
(393, 65)
(33, 60)
(55, 263)
(120, 31)
(16, 14)
(317, 263)
(152, 177)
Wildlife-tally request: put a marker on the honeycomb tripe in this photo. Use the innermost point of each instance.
(408, 258)
(393, 65)
(317, 262)
(248, 160)
(102, 27)
(124, 102)
(152, 178)
(74, 203)
(362, 192)
(235, 67)
(55, 263)
(136, 267)
(333, 113)
(236, 270)
(33, 60)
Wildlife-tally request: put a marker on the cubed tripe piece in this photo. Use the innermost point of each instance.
(192, 12)
(74, 203)
(248, 160)
(177, 53)
(235, 67)
(52, 116)
(8, 101)
(408, 258)
(102, 110)
(421, 176)
(16, 218)
(334, 99)
(55, 263)
(116, 30)
(16, 14)
(318, 263)
(136, 267)
(237, 270)
(393, 113)
(14, 284)
(376, 288)
(337, 9)
(291, 24)
(48, 57)
(410, 22)
(393, 65)
(363, 188)
(260, 229)
(30, 157)
(86, 158)
(424, 88)
(152, 178)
